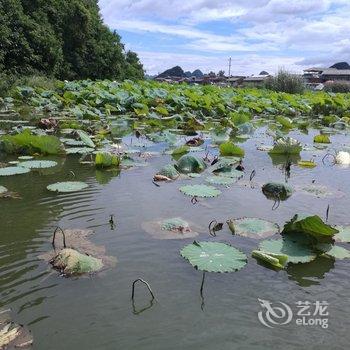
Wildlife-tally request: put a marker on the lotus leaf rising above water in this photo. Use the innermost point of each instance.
(190, 164)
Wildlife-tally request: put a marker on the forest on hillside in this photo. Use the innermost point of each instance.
(61, 39)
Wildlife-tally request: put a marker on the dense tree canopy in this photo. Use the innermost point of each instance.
(63, 39)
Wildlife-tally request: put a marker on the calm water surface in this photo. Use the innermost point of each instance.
(96, 312)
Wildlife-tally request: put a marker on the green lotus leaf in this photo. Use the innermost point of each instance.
(275, 260)
(67, 186)
(200, 191)
(296, 252)
(254, 227)
(194, 175)
(79, 150)
(13, 170)
(169, 171)
(106, 160)
(230, 149)
(312, 226)
(181, 150)
(214, 257)
(343, 235)
(307, 163)
(286, 146)
(175, 224)
(74, 143)
(276, 190)
(85, 138)
(190, 164)
(334, 251)
(322, 139)
(71, 262)
(285, 122)
(220, 180)
(38, 164)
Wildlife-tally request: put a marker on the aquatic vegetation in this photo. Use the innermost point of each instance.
(277, 191)
(190, 164)
(38, 164)
(200, 191)
(106, 160)
(286, 146)
(312, 226)
(70, 262)
(322, 139)
(169, 171)
(67, 186)
(13, 170)
(275, 260)
(3, 189)
(252, 227)
(220, 180)
(342, 158)
(229, 149)
(333, 251)
(181, 150)
(214, 257)
(26, 142)
(85, 138)
(343, 235)
(307, 163)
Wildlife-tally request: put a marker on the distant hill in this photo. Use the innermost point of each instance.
(173, 72)
(263, 73)
(188, 74)
(197, 73)
(341, 65)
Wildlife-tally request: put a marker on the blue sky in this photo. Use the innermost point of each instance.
(256, 34)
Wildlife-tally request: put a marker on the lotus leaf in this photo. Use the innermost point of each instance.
(229, 149)
(296, 252)
(38, 164)
(333, 251)
(13, 170)
(181, 150)
(220, 180)
(343, 235)
(285, 122)
(275, 260)
(276, 190)
(322, 139)
(307, 163)
(254, 228)
(214, 257)
(169, 171)
(79, 150)
(68, 186)
(190, 164)
(175, 224)
(106, 160)
(286, 146)
(200, 191)
(312, 226)
(25, 157)
(70, 262)
(86, 138)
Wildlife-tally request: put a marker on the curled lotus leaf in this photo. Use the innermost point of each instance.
(220, 180)
(254, 227)
(190, 164)
(13, 170)
(67, 186)
(84, 137)
(214, 257)
(71, 262)
(277, 190)
(200, 191)
(296, 252)
(169, 171)
(38, 164)
(275, 260)
(343, 235)
(172, 228)
(333, 251)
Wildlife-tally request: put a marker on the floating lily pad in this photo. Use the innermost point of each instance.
(67, 186)
(38, 164)
(220, 180)
(200, 191)
(79, 150)
(320, 191)
(13, 170)
(172, 228)
(307, 163)
(343, 235)
(194, 175)
(254, 227)
(334, 251)
(14, 162)
(297, 253)
(214, 257)
(232, 173)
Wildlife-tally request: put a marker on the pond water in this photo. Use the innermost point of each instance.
(96, 312)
